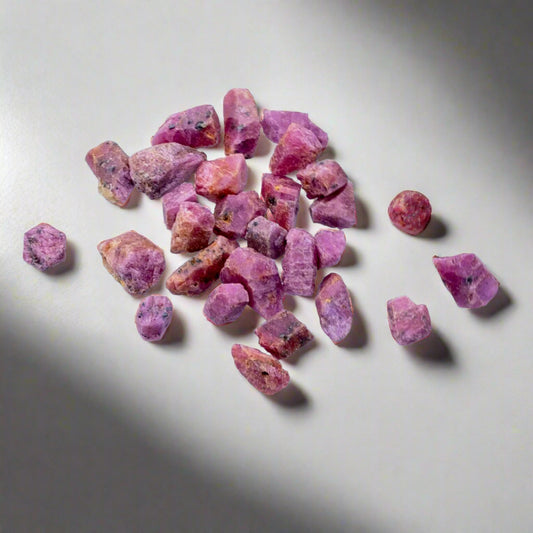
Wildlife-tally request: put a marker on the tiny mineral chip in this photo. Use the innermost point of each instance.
(44, 246)
(153, 317)
(408, 322)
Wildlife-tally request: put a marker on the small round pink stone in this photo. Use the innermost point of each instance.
(410, 212)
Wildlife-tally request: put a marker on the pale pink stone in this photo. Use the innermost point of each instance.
(410, 212)
(220, 177)
(153, 317)
(337, 210)
(44, 247)
(330, 245)
(408, 322)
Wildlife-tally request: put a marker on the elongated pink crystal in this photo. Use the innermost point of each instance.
(408, 322)
(219, 177)
(282, 196)
(299, 263)
(337, 210)
(44, 247)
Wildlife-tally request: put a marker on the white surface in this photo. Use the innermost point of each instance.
(101, 431)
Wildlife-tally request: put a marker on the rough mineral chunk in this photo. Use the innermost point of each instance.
(469, 281)
(226, 303)
(266, 237)
(410, 212)
(217, 178)
(44, 247)
(153, 317)
(110, 165)
(133, 260)
(233, 212)
(330, 245)
(259, 276)
(283, 335)
(173, 199)
(335, 308)
(282, 196)
(196, 127)
(337, 210)
(299, 263)
(198, 273)
(275, 124)
(160, 168)
(296, 149)
(241, 123)
(408, 322)
(322, 178)
(192, 228)
(262, 371)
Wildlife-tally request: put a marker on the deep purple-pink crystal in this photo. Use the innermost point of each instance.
(44, 246)
(282, 196)
(266, 237)
(225, 303)
(337, 210)
(153, 317)
(234, 211)
(299, 263)
(173, 199)
(322, 178)
(330, 245)
(408, 322)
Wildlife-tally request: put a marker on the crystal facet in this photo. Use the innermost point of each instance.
(408, 322)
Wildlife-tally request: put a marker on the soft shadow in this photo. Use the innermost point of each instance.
(68, 265)
(254, 181)
(135, 199)
(294, 359)
(436, 229)
(176, 331)
(363, 216)
(349, 257)
(358, 336)
(432, 350)
(246, 323)
(303, 219)
(289, 302)
(499, 303)
(292, 397)
(264, 146)
(328, 153)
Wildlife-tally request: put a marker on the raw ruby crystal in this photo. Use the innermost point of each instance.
(234, 211)
(153, 317)
(192, 228)
(266, 237)
(330, 245)
(282, 196)
(217, 178)
(299, 263)
(226, 303)
(44, 246)
(337, 210)
(322, 178)
(408, 322)
(410, 212)
(173, 199)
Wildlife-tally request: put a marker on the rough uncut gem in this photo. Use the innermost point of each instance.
(337, 210)
(266, 237)
(44, 246)
(259, 276)
(217, 178)
(160, 168)
(110, 165)
(261, 370)
(408, 322)
(322, 178)
(282, 196)
(410, 212)
(195, 127)
(173, 199)
(198, 273)
(335, 308)
(226, 303)
(233, 212)
(241, 123)
(469, 281)
(153, 317)
(192, 228)
(133, 260)
(283, 335)
(330, 245)
(296, 149)
(299, 263)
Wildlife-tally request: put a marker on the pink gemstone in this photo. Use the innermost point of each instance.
(259, 276)
(133, 260)
(173, 199)
(337, 210)
(262, 371)
(296, 149)
(153, 317)
(110, 165)
(410, 212)
(275, 124)
(226, 303)
(282, 196)
(217, 178)
(198, 273)
(469, 281)
(330, 245)
(160, 168)
(266, 237)
(408, 322)
(283, 335)
(233, 212)
(299, 263)
(334, 306)
(44, 247)
(196, 127)
(192, 228)
(322, 178)
(241, 123)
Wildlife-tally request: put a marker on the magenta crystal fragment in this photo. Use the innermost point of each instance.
(153, 317)
(198, 273)
(160, 168)
(330, 245)
(44, 246)
(226, 303)
(283, 335)
(259, 276)
(172, 200)
(410, 212)
(337, 210)
(217, 178)
(266, 237)
(192, 228)
(322, 178)
(234, 211)
(335, 308)
(282, 196)
(195, 127)
(296, 149)
(408, 322)
(110, 165)
(261, 370)
(241, 123)
(133, 260)
(469, 281)
(299, 263)
(275, 124)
